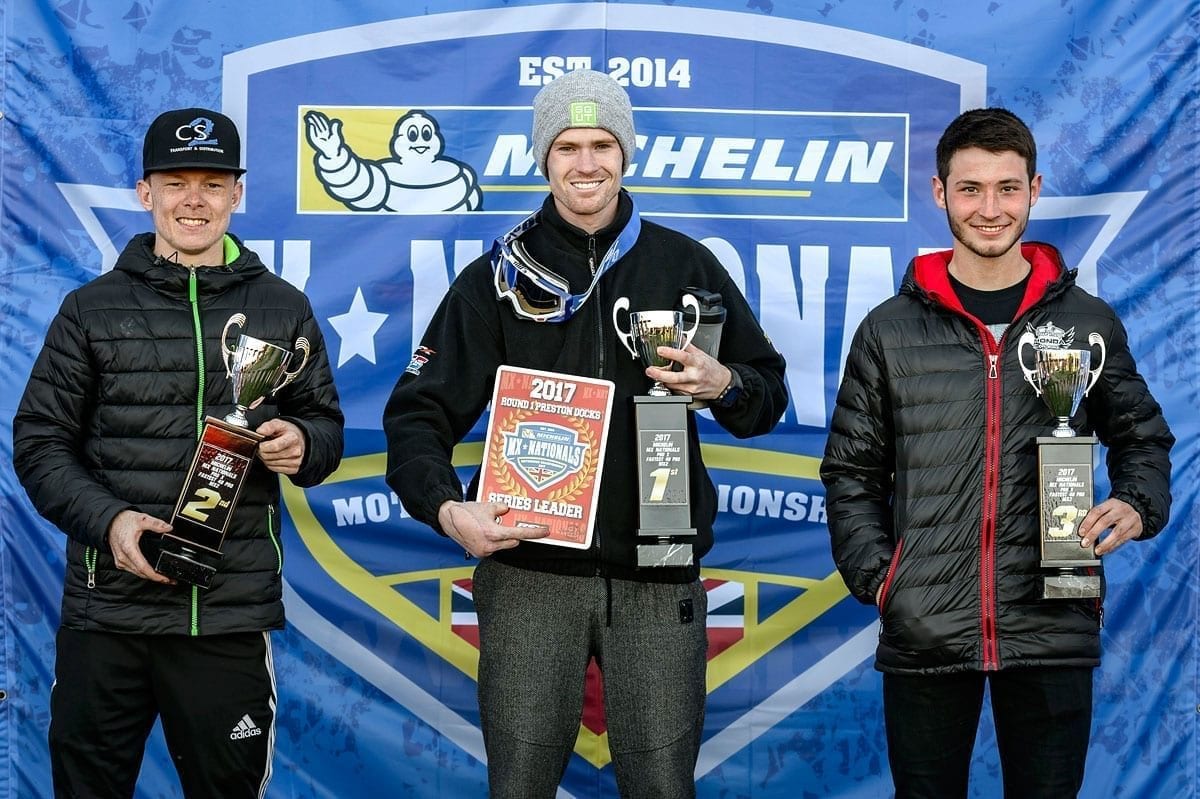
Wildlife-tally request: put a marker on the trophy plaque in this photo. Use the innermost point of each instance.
(1062, 376)
(191, 552)
(662, 437)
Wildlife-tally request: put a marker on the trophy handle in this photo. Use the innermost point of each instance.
(626, 338)
(1031, 375)
(690, 302)
(227, 354)
(1097, 340)
(302, 345)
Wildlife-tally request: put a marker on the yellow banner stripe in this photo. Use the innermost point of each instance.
(680, 190)
(718, 456)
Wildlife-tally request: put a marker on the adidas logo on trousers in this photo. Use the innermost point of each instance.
(245, 728)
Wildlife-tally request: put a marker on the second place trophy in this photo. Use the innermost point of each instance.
(191, 552)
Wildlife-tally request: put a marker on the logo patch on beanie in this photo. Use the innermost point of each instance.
(583, 114)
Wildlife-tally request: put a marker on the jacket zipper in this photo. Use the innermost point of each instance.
(274, 540)
(194, 301)
(89, 560)
(600, 362)
(991, 491)
(886, 588)
(993, 386)
(599, 314)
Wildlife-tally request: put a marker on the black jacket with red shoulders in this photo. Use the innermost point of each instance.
(931, 471)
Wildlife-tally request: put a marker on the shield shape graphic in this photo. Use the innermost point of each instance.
(751, 613)
(543, 454)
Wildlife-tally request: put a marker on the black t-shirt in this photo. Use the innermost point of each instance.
(995, 309)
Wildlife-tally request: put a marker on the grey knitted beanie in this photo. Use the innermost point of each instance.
(583, 98)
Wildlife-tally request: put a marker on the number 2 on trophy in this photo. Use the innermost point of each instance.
(1067, 516)
(208, 500)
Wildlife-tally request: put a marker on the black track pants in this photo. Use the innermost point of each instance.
(215, 694)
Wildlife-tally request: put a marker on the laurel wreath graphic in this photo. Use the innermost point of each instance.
(507, 481)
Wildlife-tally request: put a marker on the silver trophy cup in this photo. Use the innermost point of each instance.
(1061, 377)
(257, 369)
(649, 330)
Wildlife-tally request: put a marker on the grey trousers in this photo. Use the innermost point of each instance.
(537, 634)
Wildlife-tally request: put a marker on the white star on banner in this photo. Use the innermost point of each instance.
(357, 328)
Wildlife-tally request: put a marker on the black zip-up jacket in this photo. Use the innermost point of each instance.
(110, 418)
(473, 332)
(931, 472)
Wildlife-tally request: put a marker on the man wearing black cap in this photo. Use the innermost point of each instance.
(545, 611)
(102, 441)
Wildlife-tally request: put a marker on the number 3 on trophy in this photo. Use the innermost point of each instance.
(1067, 515)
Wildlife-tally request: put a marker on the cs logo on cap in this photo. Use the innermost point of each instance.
(197, 132)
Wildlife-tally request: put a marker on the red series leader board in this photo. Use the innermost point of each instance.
(545, 450)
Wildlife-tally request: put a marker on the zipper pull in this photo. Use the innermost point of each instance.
(592, 255)
(89, 560)
(992, 359)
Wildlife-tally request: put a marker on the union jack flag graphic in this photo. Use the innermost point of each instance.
(726, 626)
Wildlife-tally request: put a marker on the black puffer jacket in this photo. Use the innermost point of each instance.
(473, 332)
(109, 421)
(931, 472)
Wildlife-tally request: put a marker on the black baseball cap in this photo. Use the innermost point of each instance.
(192, 138)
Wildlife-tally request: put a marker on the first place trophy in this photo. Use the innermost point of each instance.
(1062, 377)
(191, 552)
(665, 514)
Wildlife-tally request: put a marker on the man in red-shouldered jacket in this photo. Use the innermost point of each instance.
(931, 474)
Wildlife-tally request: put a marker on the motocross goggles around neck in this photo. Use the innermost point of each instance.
(538, 293)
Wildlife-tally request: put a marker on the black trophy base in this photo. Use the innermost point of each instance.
(185, 564)
(1070, 584)
(663, 552)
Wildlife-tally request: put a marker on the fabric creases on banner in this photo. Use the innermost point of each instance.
(796, 143)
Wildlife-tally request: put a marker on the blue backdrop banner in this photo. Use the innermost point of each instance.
(796, 141)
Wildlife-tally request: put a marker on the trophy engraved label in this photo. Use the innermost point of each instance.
(1062, 377)
(224, 455)
(662, 438)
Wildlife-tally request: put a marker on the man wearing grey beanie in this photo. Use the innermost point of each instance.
(544, 300)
